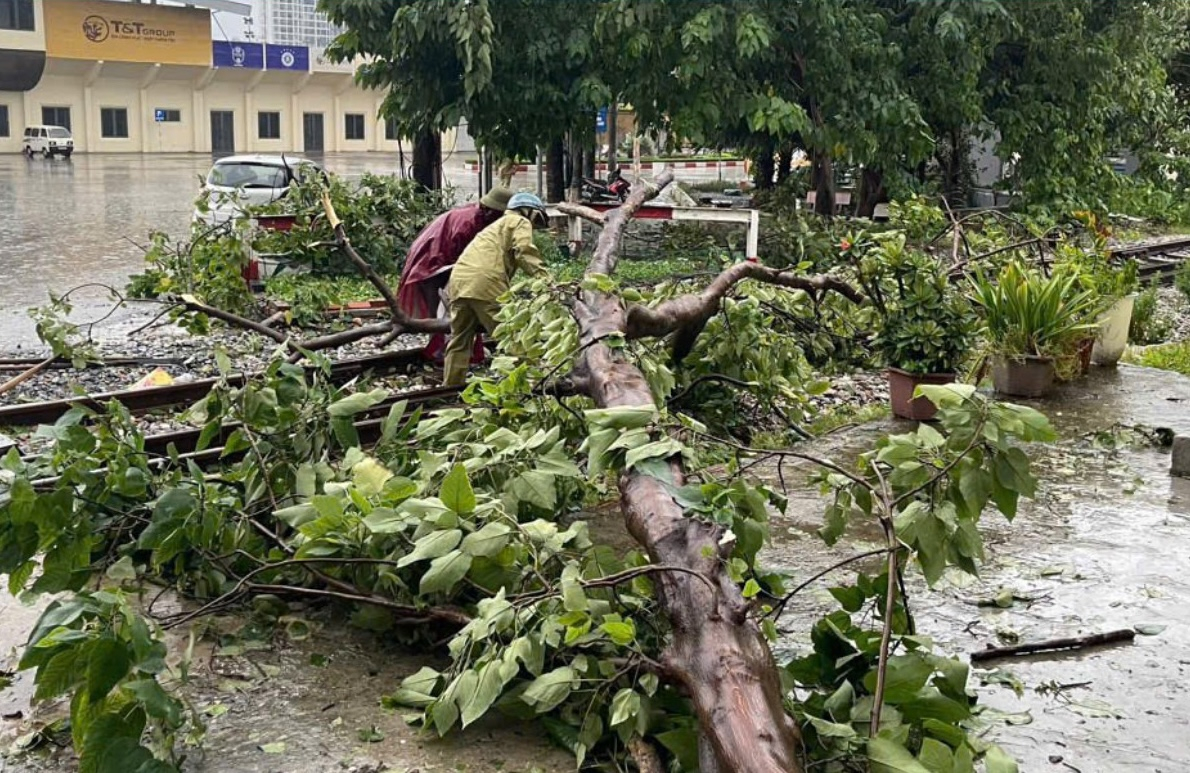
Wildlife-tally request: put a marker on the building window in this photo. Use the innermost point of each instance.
(56, 116)
(4, 121)
(390, 129)
(355, 126)
(268, 126)
(113, 122)
(16, 15)
(164, 115)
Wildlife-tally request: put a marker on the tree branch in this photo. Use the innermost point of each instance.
(689, 313)
(400, 318)
(578, 210)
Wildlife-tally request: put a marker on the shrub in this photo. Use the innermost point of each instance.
(1148, 325)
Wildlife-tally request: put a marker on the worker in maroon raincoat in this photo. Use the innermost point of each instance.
(433, 254)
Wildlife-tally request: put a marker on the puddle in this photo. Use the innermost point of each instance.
(1094, 558)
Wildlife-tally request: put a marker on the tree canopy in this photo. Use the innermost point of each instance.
(897, 88)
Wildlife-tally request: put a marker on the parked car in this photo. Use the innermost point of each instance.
(48, 141)
(238, 182)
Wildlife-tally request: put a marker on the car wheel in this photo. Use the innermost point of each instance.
(47, 153)
(67, 153)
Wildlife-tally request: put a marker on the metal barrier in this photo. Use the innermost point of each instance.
(748, 217)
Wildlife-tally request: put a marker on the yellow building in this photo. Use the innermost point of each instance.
(140, 78)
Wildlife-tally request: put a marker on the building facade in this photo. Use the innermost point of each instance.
(149, 78)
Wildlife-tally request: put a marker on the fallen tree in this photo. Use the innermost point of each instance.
(460, 526)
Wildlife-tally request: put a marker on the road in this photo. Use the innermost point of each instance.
(70, 221)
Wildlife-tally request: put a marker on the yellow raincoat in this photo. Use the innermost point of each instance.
(482, 274)
(485, 269)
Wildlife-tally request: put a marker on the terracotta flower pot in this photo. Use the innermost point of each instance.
(1027, 376)
(901, 384)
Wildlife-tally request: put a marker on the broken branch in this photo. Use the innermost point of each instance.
(586, 213)
(1070, 643)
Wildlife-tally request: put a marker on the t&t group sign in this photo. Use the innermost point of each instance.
(127, 32)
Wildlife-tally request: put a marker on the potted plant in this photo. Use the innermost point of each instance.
(1029, 321)
(925, 334)
(1113, 285)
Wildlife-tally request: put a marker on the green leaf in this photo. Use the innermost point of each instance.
(121, 570)
(906, 675)
(622, 416)
(487, 541)
(107, 665)
(371, 734)
(276, 747)
(445, 572)
(355, 403)
(156, 701)
(433, 545)
(622, 633)
(457, 493)
(547, 691)
(370, 476)
(1149, 629)
(488, 689)
(417, 690)
(936, 756)
(625, 706)
(683, 744)
(832, 729)
(997, 761)
(889, 756)
(535, 487)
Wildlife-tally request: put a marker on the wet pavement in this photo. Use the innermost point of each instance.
(64, 222)
(1105, 546)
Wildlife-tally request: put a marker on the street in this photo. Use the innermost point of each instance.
(72, 221)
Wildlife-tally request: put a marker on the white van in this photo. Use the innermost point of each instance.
(48, 141)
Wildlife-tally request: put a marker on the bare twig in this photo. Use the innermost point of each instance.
(578, 210)
(16, 381)
(779, 609)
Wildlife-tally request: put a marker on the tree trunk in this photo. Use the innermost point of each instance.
(824, 184)
(576, 167)
(785, 164)
(613, 113)
(717, 653)
(765, 167)
(871, 191)
(427, 160)
(555, 183)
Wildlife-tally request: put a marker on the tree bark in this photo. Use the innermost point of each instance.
(785, 164)
(576, 167)
(555, 182)
(716, 652)
(871, 191)
(824, 184)
(427, 160)
(613, 113)
(765, 167)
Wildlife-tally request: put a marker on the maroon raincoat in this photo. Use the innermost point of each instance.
(427, 267)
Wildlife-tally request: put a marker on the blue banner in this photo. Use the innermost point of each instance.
(601, 121)
(286, 57)
(233, 53)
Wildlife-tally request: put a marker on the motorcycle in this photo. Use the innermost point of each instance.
(614, 190)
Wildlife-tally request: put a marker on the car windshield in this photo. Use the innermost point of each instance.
(58, 131)
(248, 175)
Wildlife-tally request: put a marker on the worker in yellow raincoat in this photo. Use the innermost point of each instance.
(484, 272)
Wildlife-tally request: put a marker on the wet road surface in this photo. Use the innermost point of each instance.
(1105, 546)
(64, 222)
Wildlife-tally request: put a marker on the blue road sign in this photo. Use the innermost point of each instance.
(601, 120)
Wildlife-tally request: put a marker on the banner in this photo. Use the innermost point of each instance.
(287, 57)
(227, 53)
(127, 32)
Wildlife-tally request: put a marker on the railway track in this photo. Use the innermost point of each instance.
(182, 445)
(1156, 260)
(141, 400)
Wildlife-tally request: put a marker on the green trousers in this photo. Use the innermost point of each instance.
(467, 316)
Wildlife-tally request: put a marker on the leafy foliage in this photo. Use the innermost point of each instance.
(1028, 314)
(1148, 325)
(1173, 356)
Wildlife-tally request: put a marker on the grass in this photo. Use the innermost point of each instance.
(1175, 357)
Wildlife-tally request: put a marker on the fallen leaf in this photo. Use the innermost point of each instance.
(277, 747)
(1148, 629)
(371, 734)
(1095, 709)
(215, 710)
